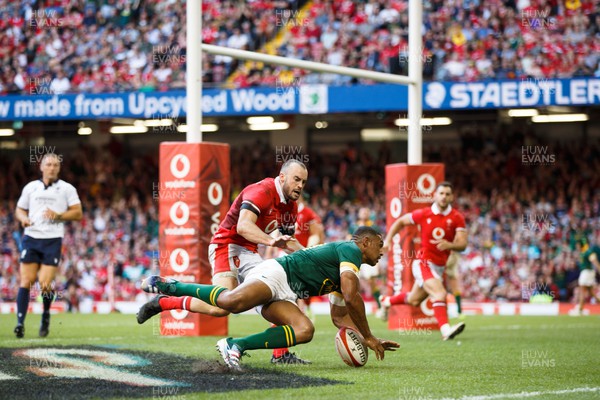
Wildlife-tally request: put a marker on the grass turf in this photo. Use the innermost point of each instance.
(494, 356)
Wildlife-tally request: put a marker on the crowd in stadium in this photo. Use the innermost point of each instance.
(526, 223)
(65, 46)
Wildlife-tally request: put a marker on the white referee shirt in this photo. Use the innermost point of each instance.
(36, 198)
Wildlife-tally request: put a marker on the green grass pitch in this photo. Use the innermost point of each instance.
(494, 358)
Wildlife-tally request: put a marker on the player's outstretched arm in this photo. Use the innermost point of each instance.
(339, 311)
(400, 223)
(356, 310)
(292, 245)
(247, 227)
(287, 243)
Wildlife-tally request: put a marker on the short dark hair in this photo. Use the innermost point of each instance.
(287, 165)
(444, 184)
(364, 231)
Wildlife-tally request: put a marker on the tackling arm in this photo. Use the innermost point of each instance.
(247, 228)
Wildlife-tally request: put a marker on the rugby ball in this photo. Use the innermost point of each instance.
(351, 348)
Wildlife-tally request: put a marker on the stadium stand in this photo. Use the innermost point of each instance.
(120, 45)
(466, 40)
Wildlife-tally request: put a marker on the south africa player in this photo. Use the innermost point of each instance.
(588, 265)
(276, 284)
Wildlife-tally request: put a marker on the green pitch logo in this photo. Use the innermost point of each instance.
(106, 372)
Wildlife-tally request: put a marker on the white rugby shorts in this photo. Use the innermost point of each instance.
(587, 277)
(271, 273)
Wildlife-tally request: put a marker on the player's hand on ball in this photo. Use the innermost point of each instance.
(389, 345)
(374, 344)
(379, 346)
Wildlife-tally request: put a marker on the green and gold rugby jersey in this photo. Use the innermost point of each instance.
(585, 262)
(316, 271)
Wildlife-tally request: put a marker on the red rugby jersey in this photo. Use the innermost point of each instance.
(306, 217)
(437, 225)
(265, 199)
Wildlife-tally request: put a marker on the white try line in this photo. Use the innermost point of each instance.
(533, 327)
(526, 394)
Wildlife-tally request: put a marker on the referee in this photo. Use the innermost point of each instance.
(42, 209)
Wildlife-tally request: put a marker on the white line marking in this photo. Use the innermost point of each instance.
(533, 327)
(7, 377)
(526, 394)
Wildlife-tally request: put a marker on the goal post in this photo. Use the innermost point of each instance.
(414, 80)
(203, 168)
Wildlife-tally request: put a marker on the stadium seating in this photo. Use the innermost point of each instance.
(120, 45)
(467, 41)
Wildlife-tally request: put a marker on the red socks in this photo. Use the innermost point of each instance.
(439, 310)
(175, 303)
(399, 298)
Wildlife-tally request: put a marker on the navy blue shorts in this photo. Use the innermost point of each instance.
(41, 251)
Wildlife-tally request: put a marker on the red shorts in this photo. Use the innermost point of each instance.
(232, 260)
(423, 270)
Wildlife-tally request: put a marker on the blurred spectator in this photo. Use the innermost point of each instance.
(60, 84)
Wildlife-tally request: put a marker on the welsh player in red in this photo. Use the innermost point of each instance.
(309, 230)
(309, 227)
(258, 210)
(442, 231)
